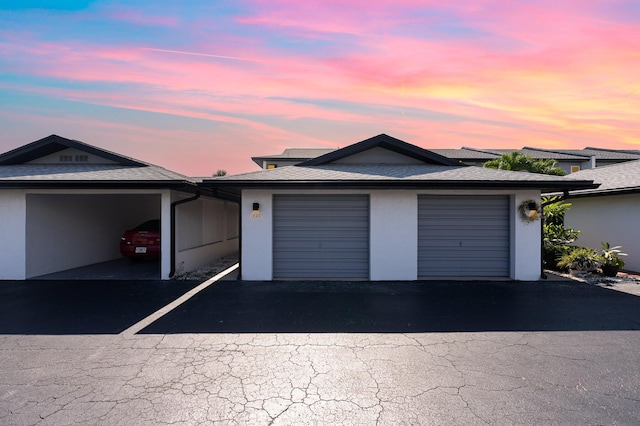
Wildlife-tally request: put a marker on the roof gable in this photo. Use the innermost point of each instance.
(357, 153)
(40, 150)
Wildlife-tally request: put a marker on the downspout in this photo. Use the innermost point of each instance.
(240, 240)
(173, 230)
(563, 197)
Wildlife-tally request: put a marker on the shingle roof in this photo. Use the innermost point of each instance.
(545, 154)
(613, 179)
(610, 154)
(126, 172)
(55, 143)
(86, 172)
(465, 154)
(300, 153)
(382, 141)
(293, 154)
(539, 154)
(396, 175)
(480, 154)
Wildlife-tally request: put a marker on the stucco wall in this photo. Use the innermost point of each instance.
(613, 219)
(526, 238)
(13, 208)
(393, 235)
(393, 227)
(206, 230)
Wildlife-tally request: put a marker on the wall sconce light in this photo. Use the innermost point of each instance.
(533, 210)
(256, 208)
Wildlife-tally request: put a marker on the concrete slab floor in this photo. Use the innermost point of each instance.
(118, 269)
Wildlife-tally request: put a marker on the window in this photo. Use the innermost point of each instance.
(271, 166)
(575, 169)
(83, 158)
(66, 158)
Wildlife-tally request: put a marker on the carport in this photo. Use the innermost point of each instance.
(67, 231)
(64, 205)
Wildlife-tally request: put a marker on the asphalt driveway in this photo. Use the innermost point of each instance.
(99, 307)
(401, 307)
(82, 306)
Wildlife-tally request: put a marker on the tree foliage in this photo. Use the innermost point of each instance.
(557, 237)
(517, 161)
(220, 172)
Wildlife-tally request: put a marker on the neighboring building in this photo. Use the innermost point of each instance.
(64, 204)
(569, 160)
(610, 212)
(289, 157)
(383, 209)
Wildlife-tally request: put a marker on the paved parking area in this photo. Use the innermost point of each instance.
(82, 306)
(343, 353)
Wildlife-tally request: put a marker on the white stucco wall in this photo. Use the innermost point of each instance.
(526, 239)
(13, 209)
(206, 230)
(612, 219)
(393, 238)
(256, 260)
(393, 235)
(166, 197)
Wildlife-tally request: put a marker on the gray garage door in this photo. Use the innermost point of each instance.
(466, 236)
(321, 236)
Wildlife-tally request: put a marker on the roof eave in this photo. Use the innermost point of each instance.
(606, 192)
(110, 184)
(402, 184)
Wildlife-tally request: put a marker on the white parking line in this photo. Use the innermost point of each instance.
(179, 301)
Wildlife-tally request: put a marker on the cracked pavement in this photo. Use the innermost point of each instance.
(586, 372)
(358, 379)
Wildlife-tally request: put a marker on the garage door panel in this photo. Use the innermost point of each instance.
(320, 236)
(453, 247)
(471, 255)
(463, 236)
(486, 233)
(334, 253)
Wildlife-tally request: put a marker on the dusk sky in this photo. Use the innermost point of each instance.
(196, 86)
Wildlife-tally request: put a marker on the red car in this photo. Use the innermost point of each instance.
(141, 242)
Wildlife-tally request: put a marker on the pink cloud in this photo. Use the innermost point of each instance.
(544, 75)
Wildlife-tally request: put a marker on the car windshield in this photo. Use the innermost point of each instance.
(150, 225)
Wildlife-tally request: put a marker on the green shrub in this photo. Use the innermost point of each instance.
(552, 253)
(581, 259)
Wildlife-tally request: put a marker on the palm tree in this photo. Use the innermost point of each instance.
(517, 161)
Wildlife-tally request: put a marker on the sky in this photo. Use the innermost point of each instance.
(197, 86)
